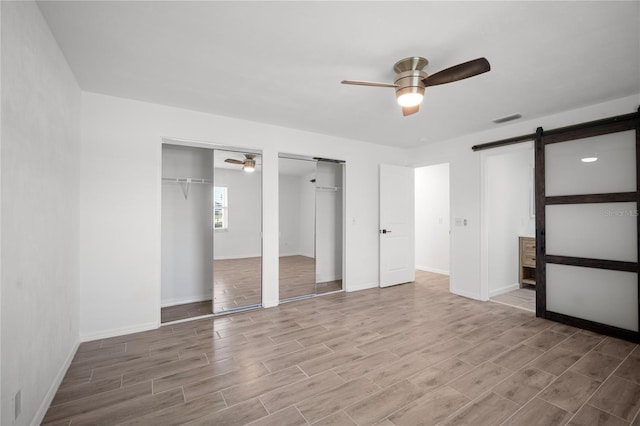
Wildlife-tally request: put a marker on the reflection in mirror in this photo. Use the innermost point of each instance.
(310, 197)
(297, 227)
(329, 226)
(237, 224)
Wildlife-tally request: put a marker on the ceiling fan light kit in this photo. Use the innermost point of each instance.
(248, 164)
(410, 98)
(411, 81)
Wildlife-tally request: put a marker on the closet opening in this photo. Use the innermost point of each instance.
(211, 232)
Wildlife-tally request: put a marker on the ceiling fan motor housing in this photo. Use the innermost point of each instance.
(410, 75)
(410, 82)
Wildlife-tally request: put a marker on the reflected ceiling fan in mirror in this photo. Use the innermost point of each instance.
(248, 164)
(411, 81)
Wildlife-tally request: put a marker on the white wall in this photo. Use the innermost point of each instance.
(432, 218)
(40, 155)
(289, 188)
(508, 186)
(466, 184)
(120, 228)
(242, 238)
(328, 227)
(187, 228)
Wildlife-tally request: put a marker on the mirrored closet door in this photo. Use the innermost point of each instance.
(237, 248)
(211, 231)
(311, 227)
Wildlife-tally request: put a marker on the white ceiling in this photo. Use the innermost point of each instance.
(282, 62)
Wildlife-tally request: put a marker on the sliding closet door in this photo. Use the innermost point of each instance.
(329, 218)
(237, 231)
(297, 224)
(587, 227)
(311, 226)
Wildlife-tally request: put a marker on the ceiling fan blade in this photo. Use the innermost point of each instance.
(458, 72)
(233, 161)
(410, 110)
(368, 83)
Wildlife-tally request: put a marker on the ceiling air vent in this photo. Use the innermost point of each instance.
(507, 118)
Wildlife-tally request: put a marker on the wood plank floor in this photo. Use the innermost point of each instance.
(524, 298)
(298, 278)
(405, 355)
(238, 283)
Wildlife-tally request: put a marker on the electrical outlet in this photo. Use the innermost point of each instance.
(17, 405)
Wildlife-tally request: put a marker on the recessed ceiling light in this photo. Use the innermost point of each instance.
(507, 118)
(589, 159)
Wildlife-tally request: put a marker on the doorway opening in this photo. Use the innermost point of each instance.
(432, 224)
(508, 237)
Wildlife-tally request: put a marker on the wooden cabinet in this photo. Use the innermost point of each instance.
(527, 267)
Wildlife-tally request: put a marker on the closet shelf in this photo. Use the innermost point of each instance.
(328, 188)
(185, 182)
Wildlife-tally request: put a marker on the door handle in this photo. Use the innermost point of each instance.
(384, 231)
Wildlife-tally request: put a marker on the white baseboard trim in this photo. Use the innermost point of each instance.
(503, 290)
(244, 256)
(288, 254)
(327, 278)
(434, 270)
(358, 287)
(87, 337)
(173, 302)
(296, 254)
(48, 397)
(466, 294)
(270, 303)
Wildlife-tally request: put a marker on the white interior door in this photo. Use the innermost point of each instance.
(396, 234)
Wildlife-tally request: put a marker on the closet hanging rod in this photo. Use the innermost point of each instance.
(185, 183)
(328, 188)
(186, 180)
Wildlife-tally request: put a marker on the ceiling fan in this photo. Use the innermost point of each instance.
(411, 81)
(248, 164)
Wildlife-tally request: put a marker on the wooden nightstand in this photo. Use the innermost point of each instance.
(527, 268)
